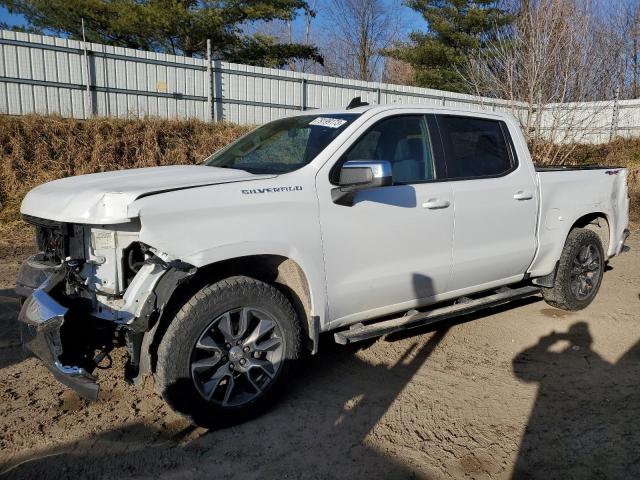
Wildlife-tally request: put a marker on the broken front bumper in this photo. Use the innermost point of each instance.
(41, 319)
(34, 272)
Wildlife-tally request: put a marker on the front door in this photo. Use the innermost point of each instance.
(392, 249)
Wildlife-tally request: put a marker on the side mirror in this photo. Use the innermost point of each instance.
(357, 175)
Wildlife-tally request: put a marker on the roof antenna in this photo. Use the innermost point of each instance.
(356, 102)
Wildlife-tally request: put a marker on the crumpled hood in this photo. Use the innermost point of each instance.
(104, 198)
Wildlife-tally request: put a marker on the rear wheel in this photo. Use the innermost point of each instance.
(580, 272)
(228, 352)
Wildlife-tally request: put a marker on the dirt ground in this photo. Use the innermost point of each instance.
(524, 391)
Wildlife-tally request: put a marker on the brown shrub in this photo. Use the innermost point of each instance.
(35, 149)
(620, 152)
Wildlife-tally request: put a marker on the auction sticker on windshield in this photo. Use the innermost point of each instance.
(328, 122)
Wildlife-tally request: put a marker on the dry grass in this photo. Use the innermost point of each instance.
(35, 149)
(621, 152)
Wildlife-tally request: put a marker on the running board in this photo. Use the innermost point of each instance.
(360, 332)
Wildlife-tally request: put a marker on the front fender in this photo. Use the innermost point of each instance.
(203, 226)
(311, 269)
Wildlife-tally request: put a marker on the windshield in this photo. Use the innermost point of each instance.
(282, 146)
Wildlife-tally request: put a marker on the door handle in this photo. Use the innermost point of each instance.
(522, 195)
(436, 203)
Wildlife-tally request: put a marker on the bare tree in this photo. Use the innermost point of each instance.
(398, 71)
(308, 18)
(356, 33)
(635, 48)
(303, 65)
(626, 21)
(556, 56)
(283, 32)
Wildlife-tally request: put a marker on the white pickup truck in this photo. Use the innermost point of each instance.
(217, 277)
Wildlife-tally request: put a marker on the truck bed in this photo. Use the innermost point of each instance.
(575, 194)
(569, 168)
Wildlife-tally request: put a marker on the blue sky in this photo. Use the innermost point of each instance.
(412, 20)
(5, 16)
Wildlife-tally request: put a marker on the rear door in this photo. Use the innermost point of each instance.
(495, 202)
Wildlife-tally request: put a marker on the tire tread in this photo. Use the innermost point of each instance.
(174, 344)
(560, 295)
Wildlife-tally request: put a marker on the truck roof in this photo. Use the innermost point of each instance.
(393, 106)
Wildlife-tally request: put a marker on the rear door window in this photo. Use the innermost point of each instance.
(475, 147)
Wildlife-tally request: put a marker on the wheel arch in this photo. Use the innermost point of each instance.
(598, 222)
(282, 272)
(552, 241)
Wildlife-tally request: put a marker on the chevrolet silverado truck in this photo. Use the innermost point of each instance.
(217, 278)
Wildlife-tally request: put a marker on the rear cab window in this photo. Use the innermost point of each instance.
(475, 147)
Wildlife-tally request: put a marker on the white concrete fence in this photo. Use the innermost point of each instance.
(51, 75)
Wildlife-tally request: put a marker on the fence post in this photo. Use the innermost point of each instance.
(210, 84)
(613, 131)
(378, 95)
(303, 94)
(88, 99)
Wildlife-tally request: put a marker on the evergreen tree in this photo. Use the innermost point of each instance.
(455, 29)
(172, 26)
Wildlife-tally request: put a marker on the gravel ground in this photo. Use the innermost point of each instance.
(522, 391)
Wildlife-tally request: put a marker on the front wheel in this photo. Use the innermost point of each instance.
(579, 273)
(228, 352)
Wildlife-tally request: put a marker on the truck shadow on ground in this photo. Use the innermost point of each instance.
(317, 431)
(585, 422)
(10, 347)
(320, 429)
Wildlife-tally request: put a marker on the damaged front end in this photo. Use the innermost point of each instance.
(90, 290)
(44, 325)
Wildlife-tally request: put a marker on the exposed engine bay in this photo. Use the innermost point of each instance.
(105, 278)
(101, 263)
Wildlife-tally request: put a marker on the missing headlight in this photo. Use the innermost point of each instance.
(58, 240)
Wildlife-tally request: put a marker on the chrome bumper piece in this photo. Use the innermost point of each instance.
(33, 274)
(40, 320)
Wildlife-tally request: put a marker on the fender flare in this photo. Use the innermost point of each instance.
(144, 333)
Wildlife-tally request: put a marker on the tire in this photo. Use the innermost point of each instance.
(579, 273)
(228, 352)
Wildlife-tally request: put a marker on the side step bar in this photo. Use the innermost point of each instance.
(360, 332)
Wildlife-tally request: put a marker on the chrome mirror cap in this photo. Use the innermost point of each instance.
(379, 168)
(356, 175)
